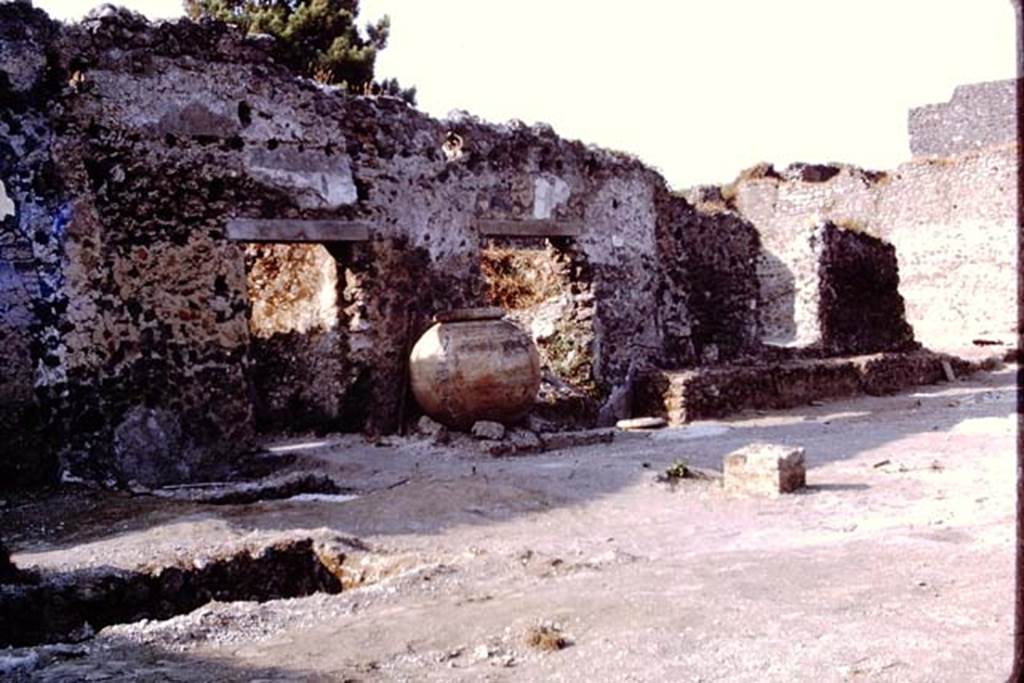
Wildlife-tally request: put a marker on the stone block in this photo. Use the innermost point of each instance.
(432, 429)
(642, 423)
(524, 441)
(764, 469)
(488, 431)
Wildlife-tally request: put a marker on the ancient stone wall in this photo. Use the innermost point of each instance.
(952, 222)
(710, 298)
(151, 355)
(32, 214)
(860, 307)
(978, 115)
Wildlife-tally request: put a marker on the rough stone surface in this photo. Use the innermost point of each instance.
(717, 319)
(131, 317)
(126, 156)
(432, 429)
(524, 441)
(950, 220)
(148, 448)
(764, 469)
(67, 607)
(687, 395)
(860, 309)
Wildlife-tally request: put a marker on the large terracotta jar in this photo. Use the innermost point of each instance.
(474, 365)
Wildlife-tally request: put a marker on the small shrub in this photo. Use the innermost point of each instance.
(729, 192)
(546, 638)
(677, 470)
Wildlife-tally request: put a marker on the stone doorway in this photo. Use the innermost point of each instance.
(542, 283)
(301, 371)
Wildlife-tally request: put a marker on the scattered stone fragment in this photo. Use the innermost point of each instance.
(642, 423)
(538, 424)
(432, 429)
(524, 441)
(495, 448)
(764, 469)
(487, 430)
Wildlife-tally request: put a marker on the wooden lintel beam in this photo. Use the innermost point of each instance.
(529, 228)
(296, 230)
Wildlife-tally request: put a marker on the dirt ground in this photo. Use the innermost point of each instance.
(895, 564)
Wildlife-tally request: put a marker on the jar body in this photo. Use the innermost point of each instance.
(462, 371)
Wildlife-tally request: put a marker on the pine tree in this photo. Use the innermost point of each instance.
(316, 38)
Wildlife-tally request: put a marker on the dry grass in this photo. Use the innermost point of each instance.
(292, 288)
(519, 278)
(759, 171)
(546, 638)
(851, 224)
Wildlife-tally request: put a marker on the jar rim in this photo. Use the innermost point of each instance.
(477, 313)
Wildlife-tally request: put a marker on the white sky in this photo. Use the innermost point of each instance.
(697, 88)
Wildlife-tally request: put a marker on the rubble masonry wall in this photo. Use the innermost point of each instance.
(951, 220)
(129, 146)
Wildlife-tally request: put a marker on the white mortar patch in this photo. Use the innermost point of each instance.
(319, 181)
(547, 195)
(6, 205)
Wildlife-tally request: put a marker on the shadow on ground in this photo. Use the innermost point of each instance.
(413, 488)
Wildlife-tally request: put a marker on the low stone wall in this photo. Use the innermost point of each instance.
(687, 395)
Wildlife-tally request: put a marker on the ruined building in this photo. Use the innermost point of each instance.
(950, 213)
(197, 246)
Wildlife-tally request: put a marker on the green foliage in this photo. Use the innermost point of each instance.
(677, 470)
(316, 38)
